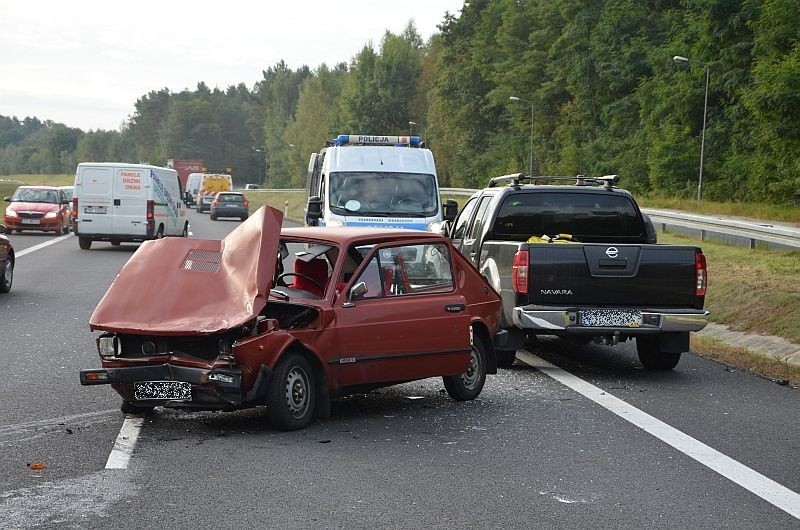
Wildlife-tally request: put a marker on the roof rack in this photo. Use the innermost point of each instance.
(515, 179)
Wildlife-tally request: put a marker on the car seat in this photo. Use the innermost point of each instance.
(316, 269)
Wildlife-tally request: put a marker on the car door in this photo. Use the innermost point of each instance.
(412, 322)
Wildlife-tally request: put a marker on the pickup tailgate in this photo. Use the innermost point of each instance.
(603, 275)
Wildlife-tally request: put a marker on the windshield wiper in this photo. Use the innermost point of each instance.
(279, 294)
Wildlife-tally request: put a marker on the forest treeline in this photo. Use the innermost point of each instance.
(597, 91)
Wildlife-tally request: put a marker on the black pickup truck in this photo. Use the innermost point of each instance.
(580, 261)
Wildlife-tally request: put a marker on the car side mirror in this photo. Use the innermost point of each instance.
(7, 199)
(450, 210)
(355, 292)
(2, 229)
(313, 210)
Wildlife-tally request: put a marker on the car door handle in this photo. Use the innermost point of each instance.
(454, 308)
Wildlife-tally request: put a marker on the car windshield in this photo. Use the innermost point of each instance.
(34, 195)
(383, 194)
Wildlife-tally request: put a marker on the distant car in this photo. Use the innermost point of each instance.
(68, 192)
(230, 204)
(251, 186)
(289, 318)
(6, 261)
(41, 208)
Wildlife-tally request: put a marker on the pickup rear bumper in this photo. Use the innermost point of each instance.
(568, 320)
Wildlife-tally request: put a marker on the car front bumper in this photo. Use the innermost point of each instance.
(211, 389)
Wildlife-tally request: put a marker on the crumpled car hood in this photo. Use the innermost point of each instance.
(181, 286)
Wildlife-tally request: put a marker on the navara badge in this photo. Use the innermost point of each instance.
(612, 252)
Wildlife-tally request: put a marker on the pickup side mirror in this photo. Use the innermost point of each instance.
(313, 210)
(450, 210)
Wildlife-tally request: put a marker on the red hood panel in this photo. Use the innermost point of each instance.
(179, 286)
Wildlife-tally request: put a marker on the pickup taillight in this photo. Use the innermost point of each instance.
(519, 272)
(701, 274)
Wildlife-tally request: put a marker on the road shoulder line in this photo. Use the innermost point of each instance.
(766, 488)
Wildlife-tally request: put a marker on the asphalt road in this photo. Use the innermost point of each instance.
(531, 452)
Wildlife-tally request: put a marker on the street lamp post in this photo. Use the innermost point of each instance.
(410, 127)
(682, 59)
(257, 150)
(515, 98)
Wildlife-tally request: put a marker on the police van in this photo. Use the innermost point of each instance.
(381, 181)
(126, 202)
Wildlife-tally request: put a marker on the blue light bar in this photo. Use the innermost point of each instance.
(365, 139)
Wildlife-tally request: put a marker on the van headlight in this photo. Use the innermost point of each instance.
(107, 345)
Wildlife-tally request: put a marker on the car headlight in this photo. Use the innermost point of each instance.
(107, 345)
(50, 215)
(10, 212)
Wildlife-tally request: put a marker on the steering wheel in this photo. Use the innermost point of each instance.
(299, 275)
(408, 201)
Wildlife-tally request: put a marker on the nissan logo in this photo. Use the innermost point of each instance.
(612, 252)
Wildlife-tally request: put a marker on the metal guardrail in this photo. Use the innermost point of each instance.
(737, 231)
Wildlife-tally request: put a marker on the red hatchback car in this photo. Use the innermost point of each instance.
(41, 208)
(290, 318)
(6, 261)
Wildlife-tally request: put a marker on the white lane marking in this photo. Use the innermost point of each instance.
(42, 245)
(769, 490)
(126, 441)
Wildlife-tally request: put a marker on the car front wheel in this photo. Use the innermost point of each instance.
(290, 396)
(467, 386)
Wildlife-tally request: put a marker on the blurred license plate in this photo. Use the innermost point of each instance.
(31, 221)
(626, 318)
(94, 209)
(166, 390)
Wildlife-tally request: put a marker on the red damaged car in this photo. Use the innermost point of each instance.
(290, 318)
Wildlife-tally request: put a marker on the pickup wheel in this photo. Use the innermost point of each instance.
(467, 386)
(128, 407)
(505, 358)
(652, 357)
(291, 393)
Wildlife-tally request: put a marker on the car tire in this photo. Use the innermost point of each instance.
(213, 217)
(467, 386)
(291, 393)
(7, 277)
(244, 218)
(116, 242)
(129, 407)
(160, 233)
(651, 356)
(84, 242)
(505, 358)
(185, 232)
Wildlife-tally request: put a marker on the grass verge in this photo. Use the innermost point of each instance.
(779, 371)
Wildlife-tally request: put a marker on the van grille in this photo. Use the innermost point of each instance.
(202, 260)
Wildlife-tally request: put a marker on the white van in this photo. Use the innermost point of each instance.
(126, 202)
(192, 188)
(382, 181)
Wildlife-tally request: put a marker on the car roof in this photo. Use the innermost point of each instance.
(347, 235)
(34, 187)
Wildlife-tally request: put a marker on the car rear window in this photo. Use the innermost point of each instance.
(586, 216)
(231, 198)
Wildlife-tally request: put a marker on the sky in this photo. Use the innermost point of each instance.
(85, 63)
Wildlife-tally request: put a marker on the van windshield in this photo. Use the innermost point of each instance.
(383, 194)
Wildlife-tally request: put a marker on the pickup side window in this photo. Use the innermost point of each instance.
(460, 226)
(587, 217)
(475, 230)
